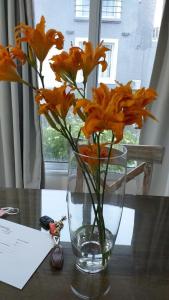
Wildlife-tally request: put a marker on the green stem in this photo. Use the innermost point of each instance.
(40, 75)
(98, 167)
(82, 166)
(98, 212)
(84, 88)
(51, 122)
(74, 146)
(107, 165)
(28, 84)
(77, 140)
(79, 91)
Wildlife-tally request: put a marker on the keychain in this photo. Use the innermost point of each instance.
(54, 227)
(57, 258)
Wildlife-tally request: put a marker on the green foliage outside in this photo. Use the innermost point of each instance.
(55, 147)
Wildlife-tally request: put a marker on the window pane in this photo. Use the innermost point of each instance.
(111, 9)
(60, 15)
(82, 8)
(136, 36)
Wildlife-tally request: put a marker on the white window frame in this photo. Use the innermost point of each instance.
(80, 15)
(136, 84)
(113, 61)
(115, 16)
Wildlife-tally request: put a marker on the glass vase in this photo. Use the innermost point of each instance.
(95, 196)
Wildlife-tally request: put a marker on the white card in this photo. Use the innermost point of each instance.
(22, 249)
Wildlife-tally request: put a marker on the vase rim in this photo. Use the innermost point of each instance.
(124, 153)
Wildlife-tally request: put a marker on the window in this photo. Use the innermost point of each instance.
(136, 84)
(82, 8)
(109, 75)
(111, 9)
(60, 16)
(131, 56)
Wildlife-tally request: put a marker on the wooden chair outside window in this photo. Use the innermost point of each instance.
(146, 156)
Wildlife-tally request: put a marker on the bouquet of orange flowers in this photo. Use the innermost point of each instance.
(108, 109)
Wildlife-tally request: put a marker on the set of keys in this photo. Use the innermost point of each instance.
(54, 227)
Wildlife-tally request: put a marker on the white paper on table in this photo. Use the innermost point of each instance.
(22, 249)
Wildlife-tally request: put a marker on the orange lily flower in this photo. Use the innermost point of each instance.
(8, 71)
(101, 113)
(57, 100)
(96, 122)
(90, 153)
(137, 112)
(93, 57)
(115, 108)
(134, 104)
(16, 52)
(38, 40)
(66, 65)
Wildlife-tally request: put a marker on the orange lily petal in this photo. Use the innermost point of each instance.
(57, 100)
(8, 71)
(38, 40)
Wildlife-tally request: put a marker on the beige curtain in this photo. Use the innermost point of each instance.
(158, 133)
(20, 136)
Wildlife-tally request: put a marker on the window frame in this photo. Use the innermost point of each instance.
(81, 17)
(52, 167)
(94, 31)
(115, 16)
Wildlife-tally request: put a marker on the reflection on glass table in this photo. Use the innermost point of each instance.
(56, 208)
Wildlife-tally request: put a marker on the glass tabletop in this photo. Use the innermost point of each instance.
(139, 265)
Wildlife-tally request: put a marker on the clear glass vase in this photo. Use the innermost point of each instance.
(95, 195)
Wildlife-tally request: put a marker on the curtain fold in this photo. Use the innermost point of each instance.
(20, 135)
(157, 133)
